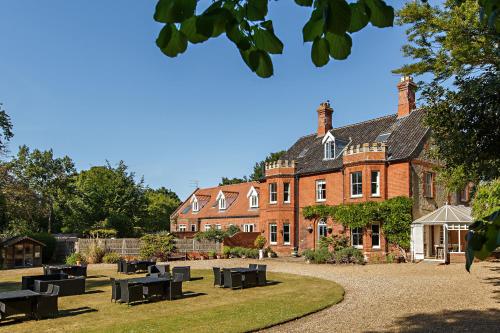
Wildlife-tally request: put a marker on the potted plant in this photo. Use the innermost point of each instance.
(259, 243)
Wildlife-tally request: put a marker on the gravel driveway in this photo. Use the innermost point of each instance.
(424, 297)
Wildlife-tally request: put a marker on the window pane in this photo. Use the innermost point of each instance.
(286, 233)
(375, 182)
(375, 235)
(273, 230)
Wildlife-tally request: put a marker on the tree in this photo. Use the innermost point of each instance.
(247, 25)
(105, 197)
(230, 181)
(258, 169)
(45, 175)
(5, 130)
(160, 204)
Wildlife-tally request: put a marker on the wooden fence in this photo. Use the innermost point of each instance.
(131, 246)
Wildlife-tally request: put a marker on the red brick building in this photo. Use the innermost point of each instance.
(373, 160)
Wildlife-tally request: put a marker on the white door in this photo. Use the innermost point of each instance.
(417, 241)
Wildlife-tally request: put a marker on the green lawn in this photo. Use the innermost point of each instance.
(212, 309)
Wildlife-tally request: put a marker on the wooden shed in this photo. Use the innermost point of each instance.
(20, 251)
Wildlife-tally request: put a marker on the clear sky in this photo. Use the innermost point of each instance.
(86, 79)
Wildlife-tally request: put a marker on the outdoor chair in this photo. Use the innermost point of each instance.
(45, 269)
(162, 269)
(46, 304)
(119, 266)
(67, 287)
(154, 290)
(28, 282)
(130, 293)
(232, 279)
(261, 275)
(78, 271)
(184, 270)
(249, 279)
(21, 306)
(115, 290)
(129, 268)
(218, 277)
(252, 266)
(175, 286)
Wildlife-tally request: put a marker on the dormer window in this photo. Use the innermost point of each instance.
(253, 198)
(329, 150)
(221, 199)
(194, 204)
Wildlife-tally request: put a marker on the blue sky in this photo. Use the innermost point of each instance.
(86, 79)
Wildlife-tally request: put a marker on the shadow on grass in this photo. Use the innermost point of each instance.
(271, 283)
(495, 282)
(97, 276)
(451, 321)
(90, 292)
(60, 314)
(97, 283)
(190, 294)
(196, 278)
(9, 286)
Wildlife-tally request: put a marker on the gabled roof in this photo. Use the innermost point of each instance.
(17, 239)
(237, 203)
(405, 136)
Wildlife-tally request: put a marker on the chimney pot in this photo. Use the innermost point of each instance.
(406, 96)
(324, 118)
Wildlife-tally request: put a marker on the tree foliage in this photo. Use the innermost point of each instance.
(5, 130)
(246, 23)
(160, 204)
(486, 199)
(231, 181)
(158, 245)
(258, 169)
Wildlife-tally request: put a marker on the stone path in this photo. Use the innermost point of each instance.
(424, 297)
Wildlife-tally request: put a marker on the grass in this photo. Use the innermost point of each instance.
(208, 309)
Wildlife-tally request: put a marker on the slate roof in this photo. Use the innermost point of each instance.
(237, 203)
(406, 135)
(17, 239)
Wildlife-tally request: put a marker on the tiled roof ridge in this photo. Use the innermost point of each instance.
(221, 187)
(364, 121)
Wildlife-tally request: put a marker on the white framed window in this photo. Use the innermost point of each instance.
(273, 233)
(356, 184)
(322, 229)
(196, 206)
(428, 184)
(193, 227)
(222, 203)
(376, 236)
(253, 198)
(182, 228)
(208, 227)
(329, 150)
(357, 237)
(248, 227)
(286, 192)
(375, 183)
(218, 227)
(286, 233)
(273, 193)
(320, 190)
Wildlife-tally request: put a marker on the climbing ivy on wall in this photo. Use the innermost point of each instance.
(395, 215)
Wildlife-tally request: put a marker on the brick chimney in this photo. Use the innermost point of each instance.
(406, 98)
(324, 118)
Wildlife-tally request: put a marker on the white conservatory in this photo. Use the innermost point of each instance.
(441, 235)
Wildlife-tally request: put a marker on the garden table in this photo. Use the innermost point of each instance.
(18, 301)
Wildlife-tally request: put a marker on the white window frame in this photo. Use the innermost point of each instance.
(322, 227)
(357, 195)
(195, 206)
(376, 246)
(320, 192)
(329, 150)
(193, 229)
(273, 192)
(182, 228)
(376, 183)
(221, 198)
(207, 227)
(286, 192)
(248, 227)
(271, 232)
(286, 233)
(428, 185)
(360, 233)
(218, 227)
(253, 198)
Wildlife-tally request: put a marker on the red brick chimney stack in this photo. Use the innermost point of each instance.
(406, 99)
(324, 118)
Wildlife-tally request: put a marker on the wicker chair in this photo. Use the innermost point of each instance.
(28, 282)
(218, 277)
(115, 290)
(249, 279)
(129, 268)
(184, 270)
(46, 304)
(130, 293)
(261, 275)
(232, 279)
(154, 290)
(68, 287)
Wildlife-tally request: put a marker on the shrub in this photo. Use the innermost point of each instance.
(50, 244)
(349, 255)
(319, 256)
(390, 258)
(158, 245)
(111, 258)
(260, 242)
(211, 253)
(233, 229)
(74, 257)
(95, 253)
(226, 251)
(215, 235)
